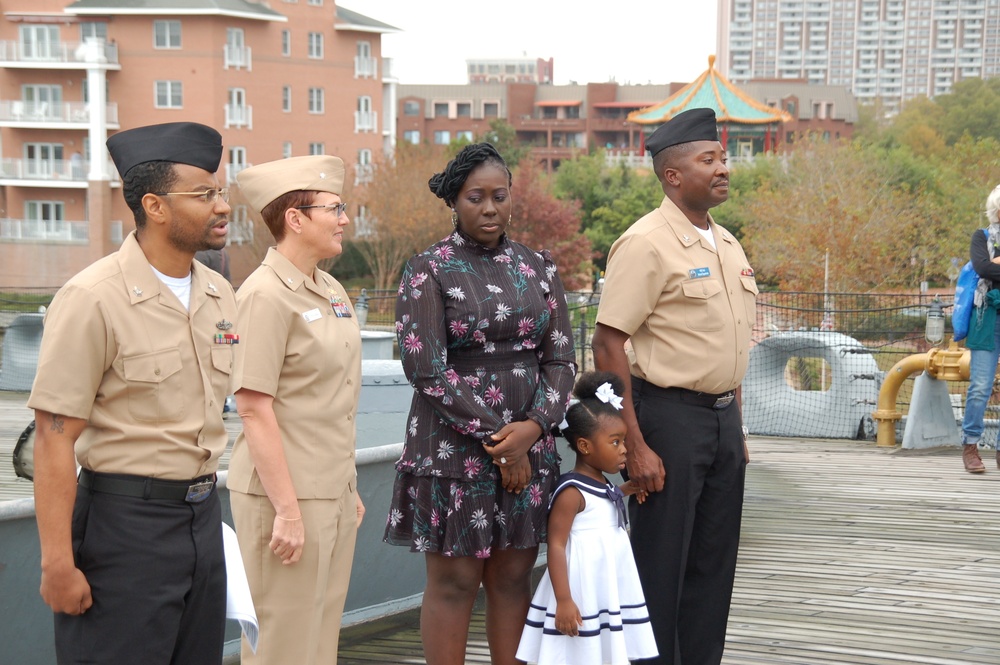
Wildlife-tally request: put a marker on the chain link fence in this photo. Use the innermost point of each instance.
(886, 327)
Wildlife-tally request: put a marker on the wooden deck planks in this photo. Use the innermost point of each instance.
(850, 555)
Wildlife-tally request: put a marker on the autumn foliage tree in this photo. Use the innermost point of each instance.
(541, 221)
(404, 217)
(836, 198)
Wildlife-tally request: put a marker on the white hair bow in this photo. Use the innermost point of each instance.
(606, 394)
(564, 424)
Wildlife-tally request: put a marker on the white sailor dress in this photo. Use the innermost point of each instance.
(604, 584)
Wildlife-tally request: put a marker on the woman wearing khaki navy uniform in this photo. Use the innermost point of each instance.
(134, 368)
(297, 380)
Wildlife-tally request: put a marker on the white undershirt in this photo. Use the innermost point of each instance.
(707, 235)
(181, 286)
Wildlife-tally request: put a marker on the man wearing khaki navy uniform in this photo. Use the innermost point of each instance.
(680, 290)
(133, 371)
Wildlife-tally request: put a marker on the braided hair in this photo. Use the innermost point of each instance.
(583, 417)
(447, 184)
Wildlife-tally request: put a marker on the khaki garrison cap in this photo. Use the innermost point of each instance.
(265, 182)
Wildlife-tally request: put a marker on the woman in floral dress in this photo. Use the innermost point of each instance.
(485, 342)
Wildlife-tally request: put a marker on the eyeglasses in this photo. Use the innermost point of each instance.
(208, 195)
(337, 209)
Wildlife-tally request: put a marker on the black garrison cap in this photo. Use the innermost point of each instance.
(691, 125)
(178, 142)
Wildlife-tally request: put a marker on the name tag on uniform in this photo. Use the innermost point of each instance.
(698, 273)
(312, 315)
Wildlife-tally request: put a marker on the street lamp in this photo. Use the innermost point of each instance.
(934, 331)
(361, 308)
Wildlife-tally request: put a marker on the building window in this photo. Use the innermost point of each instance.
(365, 119)
(364, 168)
(41, 102)
(411, 136)
(315, 3)
(463, 110)
(442, 137)
(316, 102)
(166, 34)
(240, 227)
(169, 95)
(317, 148)
(316, 45)
(45, 220)
(286, 149)
(238, 113)
(440, 109)
(491, 109)
(43, 160)
(94, 30)
(464, 136)
(236, 54)
(39, 42)
(237, 162)
(411, 108)
(286, 43)
(365, 66)
(286, 98)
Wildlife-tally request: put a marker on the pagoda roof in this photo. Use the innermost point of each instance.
(714, 91)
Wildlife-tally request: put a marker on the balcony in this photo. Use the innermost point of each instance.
(610, 124)
(365, 121)
(232, 170)
(631, 158)
(237, 57)
(238, 116)
(51, 115)
(531, 123)
(55, 55)
(363, 173)
(44, 231)
(365, 68)
(62, 173)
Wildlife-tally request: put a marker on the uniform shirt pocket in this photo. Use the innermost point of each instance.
(222, 369)
(155, 390)
(704, 308)
(750, 292)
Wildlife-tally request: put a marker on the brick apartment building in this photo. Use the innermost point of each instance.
(560, 122)
(277, 79)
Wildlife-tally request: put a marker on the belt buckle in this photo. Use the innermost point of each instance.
(199, 491)
(724, 401)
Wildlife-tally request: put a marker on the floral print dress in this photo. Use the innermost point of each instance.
(485, 340)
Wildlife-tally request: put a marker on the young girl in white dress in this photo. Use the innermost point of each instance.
(589, 608)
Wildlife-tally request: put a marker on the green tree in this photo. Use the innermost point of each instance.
(972, 108)
(611, 198)
(503, 137)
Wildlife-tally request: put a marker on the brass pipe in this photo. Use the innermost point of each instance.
(951, 364)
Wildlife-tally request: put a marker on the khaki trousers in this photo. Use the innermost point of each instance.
(299, 607)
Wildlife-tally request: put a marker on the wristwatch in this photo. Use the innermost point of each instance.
(746, 433)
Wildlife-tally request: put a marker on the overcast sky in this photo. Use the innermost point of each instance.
(644, 41)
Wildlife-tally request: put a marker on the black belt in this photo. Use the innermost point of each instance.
(192, 491)
(710, 400)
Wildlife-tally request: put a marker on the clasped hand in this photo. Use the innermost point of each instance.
(509, 449)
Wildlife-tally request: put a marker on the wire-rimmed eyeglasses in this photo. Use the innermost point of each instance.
(337, 209)
(208, 195)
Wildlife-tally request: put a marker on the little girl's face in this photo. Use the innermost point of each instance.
(608, 450)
